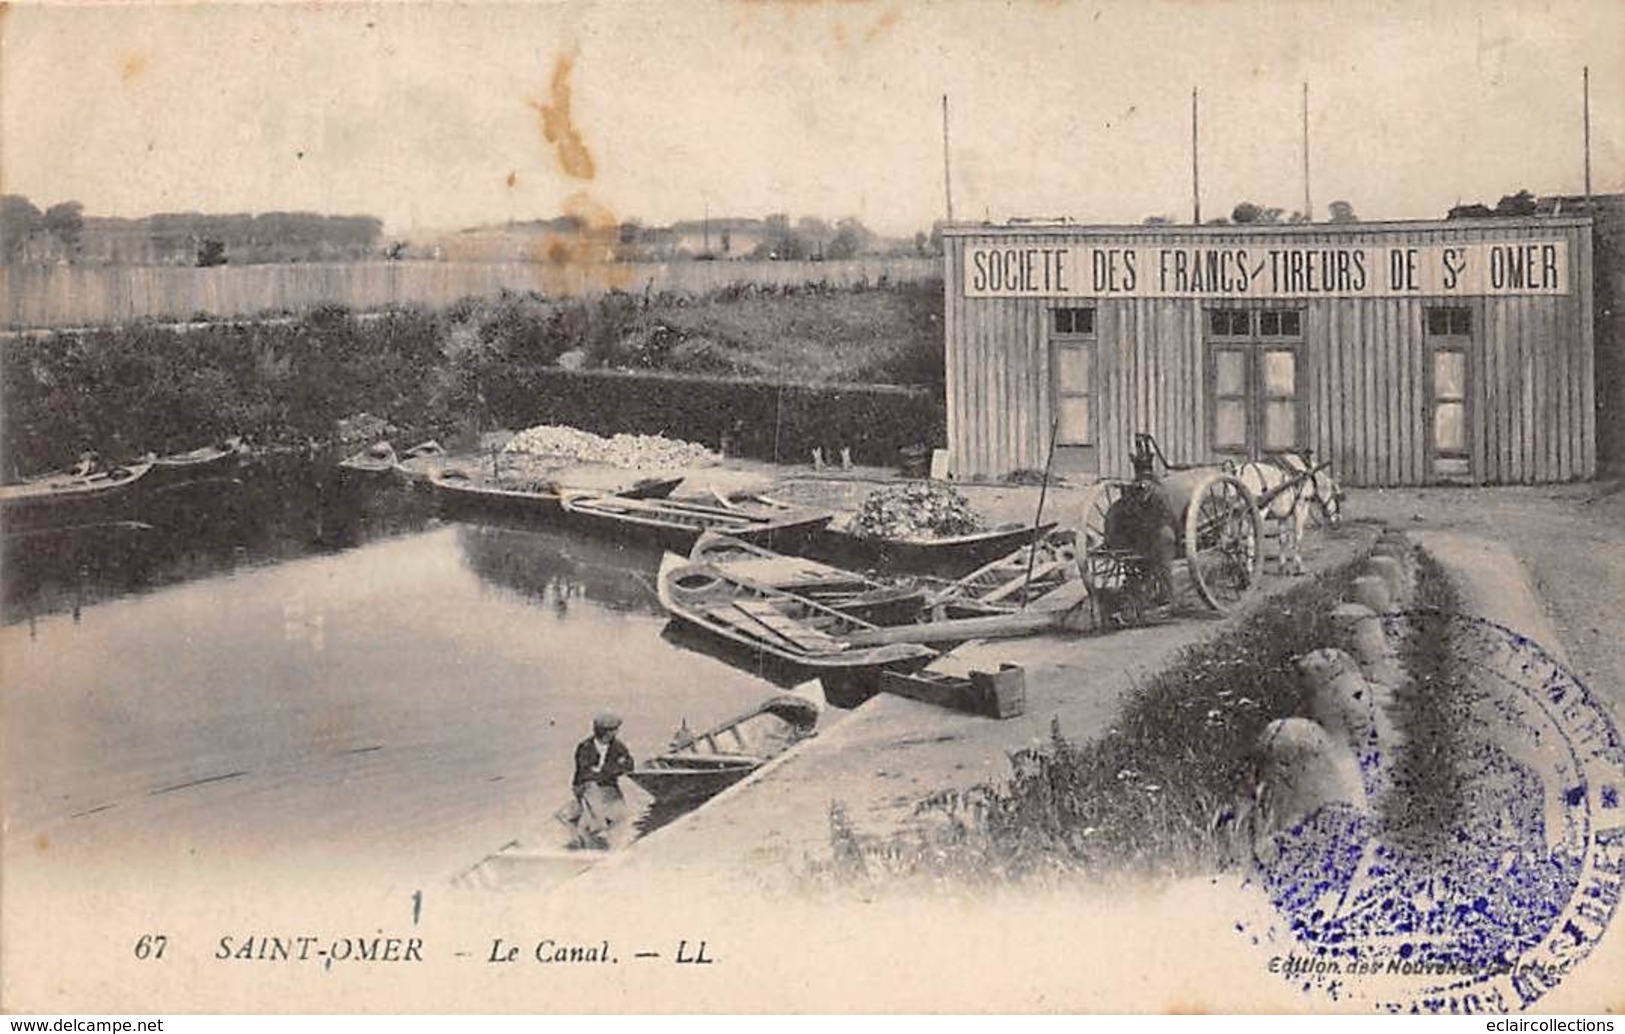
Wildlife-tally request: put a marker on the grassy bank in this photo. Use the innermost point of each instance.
(148, 386)
(1143, 798)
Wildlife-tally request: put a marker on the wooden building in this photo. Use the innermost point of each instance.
(1405, 353)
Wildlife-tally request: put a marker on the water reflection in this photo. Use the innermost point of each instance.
(555, 567)
(264, 513)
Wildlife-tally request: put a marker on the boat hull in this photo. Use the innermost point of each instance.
(950, 557)
(675, 782)
(676, 526)
(772, 644)
(65, 500)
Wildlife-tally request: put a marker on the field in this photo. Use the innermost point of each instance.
(507, 361)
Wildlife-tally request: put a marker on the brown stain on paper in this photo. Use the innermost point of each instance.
(133, 67)
(558, 127)
(583, 258)
(884, 25)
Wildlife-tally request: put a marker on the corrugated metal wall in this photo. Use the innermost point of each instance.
(1531, 376)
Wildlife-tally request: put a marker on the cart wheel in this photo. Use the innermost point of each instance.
(1100, 570)
(1223, 530)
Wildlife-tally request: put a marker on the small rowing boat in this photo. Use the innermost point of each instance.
(802, 637)
(377, 459)
(459, 492)
(201, 464)
(70, 498)
(676, 524)
(697, 766)
(880, 602)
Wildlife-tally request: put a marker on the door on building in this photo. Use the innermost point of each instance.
(1074, 390)
(1255, 382)
(1449, 340)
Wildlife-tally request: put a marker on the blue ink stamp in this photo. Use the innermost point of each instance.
(1479, 898)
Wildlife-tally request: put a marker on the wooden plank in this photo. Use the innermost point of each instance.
(1336, 396)
(1549, 345)
(1481, 375)
(953, 330)
(1188, 317)
(1126, 411)
(1527, 415)
(1587, 355)
(1410, 393)
(1156, 369)
(804, 637)
(1032, 349)
(1563, 342)
(1021, 623)
(1389, 386)
(1500, 459)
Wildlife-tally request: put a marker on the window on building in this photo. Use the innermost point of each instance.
(1072, 321)
(1255, 404)
(1280, 323)
(1230, 323)
(1451, 322)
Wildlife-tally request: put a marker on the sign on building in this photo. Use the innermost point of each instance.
(1525, 267)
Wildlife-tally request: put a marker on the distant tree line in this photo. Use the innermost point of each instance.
(776, 237)
(1248, 213)
(62, 233)
(1517, 204)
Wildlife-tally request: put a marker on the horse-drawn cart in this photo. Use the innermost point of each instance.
(1185, 531)
(1151, 541)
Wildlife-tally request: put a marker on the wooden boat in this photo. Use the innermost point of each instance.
(208, 463)
(377, 459)
(697, 766)
(805, 638)
(70, 498)
(460, 492)
(950, 556)
(207, 460)
(677, 524)
(1027, 577)
(848, 591)
(418, 463)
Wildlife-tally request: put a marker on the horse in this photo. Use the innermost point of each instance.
(1310, 489)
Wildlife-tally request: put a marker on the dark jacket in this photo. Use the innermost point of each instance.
(617, 762)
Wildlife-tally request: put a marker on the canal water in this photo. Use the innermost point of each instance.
(286, 671)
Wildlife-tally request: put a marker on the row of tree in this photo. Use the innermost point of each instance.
(62, 233)
(1248, 213)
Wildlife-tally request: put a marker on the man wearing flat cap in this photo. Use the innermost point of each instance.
(601, 760)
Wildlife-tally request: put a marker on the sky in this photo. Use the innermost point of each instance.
(442, 115)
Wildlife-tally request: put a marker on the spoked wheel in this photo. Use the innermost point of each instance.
(1223, 530)
(1101, 570)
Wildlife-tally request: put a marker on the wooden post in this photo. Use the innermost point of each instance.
(1196, 178)
(1308, 208)
(1585, 89)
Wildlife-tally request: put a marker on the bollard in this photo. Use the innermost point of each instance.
(1351, 709)
(1370, 591)
(1392, 573)
(1301, 770)
(1362, 628)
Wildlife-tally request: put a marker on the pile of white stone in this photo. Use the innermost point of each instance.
(625, 451)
